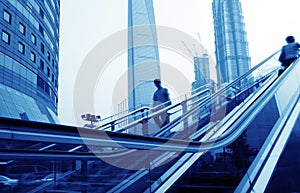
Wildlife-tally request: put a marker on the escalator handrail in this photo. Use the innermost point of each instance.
(224, 89)
(191, 157)
(235, 134)
(151, 113)
(73, 131)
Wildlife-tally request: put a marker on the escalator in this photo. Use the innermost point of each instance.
(241, 134)
(247, 164)
(212, 128)
(210, 144)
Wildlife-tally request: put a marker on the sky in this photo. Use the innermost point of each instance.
(88, 23)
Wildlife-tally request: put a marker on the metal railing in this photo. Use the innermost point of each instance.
(184, 106)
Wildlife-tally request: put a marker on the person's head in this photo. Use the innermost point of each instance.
(290, 39)
(157, 83)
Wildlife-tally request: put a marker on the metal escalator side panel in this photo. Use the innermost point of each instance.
(289, 85)
(286, 91)
(274, 156)
(168, 181)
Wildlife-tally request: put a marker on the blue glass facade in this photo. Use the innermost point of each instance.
(232, 54)
(202, 73)
(29, 55)
(143, 57)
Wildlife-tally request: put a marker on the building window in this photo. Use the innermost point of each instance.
(41, 29)
(42, 65)
(32, 56)
(22, 28)
(52, 78)
(5, 37)
(40, 83)
(42, 48)
(7, 16)
(33, 39)
(42, 13)
(48, 55)
(21, 48)
(48, 71)
(47, 89)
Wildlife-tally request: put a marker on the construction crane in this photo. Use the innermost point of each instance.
(199, 38)
(187, 48)
(204, 51)
(195, 50)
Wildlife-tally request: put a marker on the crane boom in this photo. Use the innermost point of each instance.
(187, 48)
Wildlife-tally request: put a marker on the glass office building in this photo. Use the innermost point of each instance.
(29, 49)
(202, 73)
(143, 57)
(232, 54)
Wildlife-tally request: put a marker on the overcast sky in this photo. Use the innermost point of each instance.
(85, 23)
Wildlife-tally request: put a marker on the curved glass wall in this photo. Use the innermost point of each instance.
(29, 49)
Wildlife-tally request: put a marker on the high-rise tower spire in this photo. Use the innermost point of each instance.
(232, 53)
(143, 57)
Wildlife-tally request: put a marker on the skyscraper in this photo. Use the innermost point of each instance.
(232, 55)
(29, 49)
(143, 56)
(201, 69)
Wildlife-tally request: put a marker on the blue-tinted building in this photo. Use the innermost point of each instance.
(232, 54)
(143, 57)
(29, 55)
(202, 73)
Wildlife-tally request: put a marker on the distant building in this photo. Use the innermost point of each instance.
(143, 56)
(29, 49)
(232, 54)
(202, 73)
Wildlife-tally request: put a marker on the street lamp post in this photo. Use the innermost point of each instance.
(92, 118)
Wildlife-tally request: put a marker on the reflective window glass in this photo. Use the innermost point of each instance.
(47, 89)
(32, 56)
(48, 55)
(41, 13)
(48, 71)
(42, 48)
(33, 39)
(41, 29)
(40, 82)
(21, 48)
(42, 65)
(5, 37)
(21, 28)
(7, 16)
